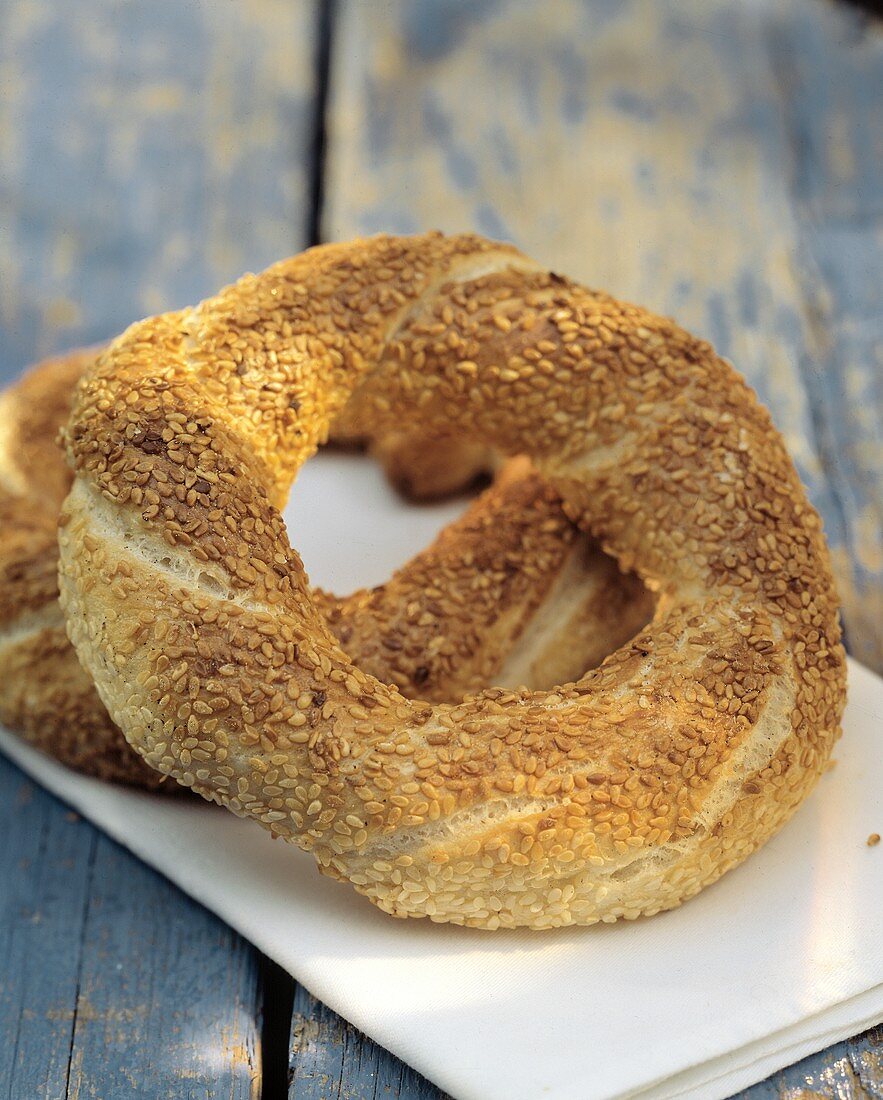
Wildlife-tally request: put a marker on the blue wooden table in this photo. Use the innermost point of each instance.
(714, 160)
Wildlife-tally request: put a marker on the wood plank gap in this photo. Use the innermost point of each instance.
(325, 18)
(41, 854)
(277, 1004)
(81, 947)
(332, 1060)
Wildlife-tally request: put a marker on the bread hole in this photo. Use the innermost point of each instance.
(589, 610)
(210, 584)
(367, 530)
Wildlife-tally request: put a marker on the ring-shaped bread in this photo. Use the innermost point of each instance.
(620, 794)
(527, 598)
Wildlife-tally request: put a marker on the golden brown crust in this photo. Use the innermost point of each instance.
(620, 794)
(45, 694)
(47, 697)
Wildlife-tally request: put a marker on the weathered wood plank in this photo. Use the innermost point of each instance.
(830, 71)
(640, 146)
(331, 1058)
(150, 153)
(110, 978)
(46, 861)
(168, 996)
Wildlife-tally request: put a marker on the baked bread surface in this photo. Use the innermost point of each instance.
(621, 793)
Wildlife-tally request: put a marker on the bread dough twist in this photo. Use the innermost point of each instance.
(528, 597)
(619, 794)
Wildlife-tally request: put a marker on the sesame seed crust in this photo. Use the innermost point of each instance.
(618, 794)
(45, 693)
(496, 567)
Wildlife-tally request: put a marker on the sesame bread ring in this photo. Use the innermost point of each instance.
(622, 793)
(530, 557)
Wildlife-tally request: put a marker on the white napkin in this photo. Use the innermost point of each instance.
(781, 958)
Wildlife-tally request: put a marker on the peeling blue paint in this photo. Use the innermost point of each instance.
(718, 323)
(569, 61)
(489, 222)
(432, 29)
(438, 126)
(503, 148)
(746, 296)
(630, 103)
(646, 179)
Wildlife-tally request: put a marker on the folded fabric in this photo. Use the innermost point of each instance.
(781, 958)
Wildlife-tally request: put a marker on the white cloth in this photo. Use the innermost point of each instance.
(781, 958)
